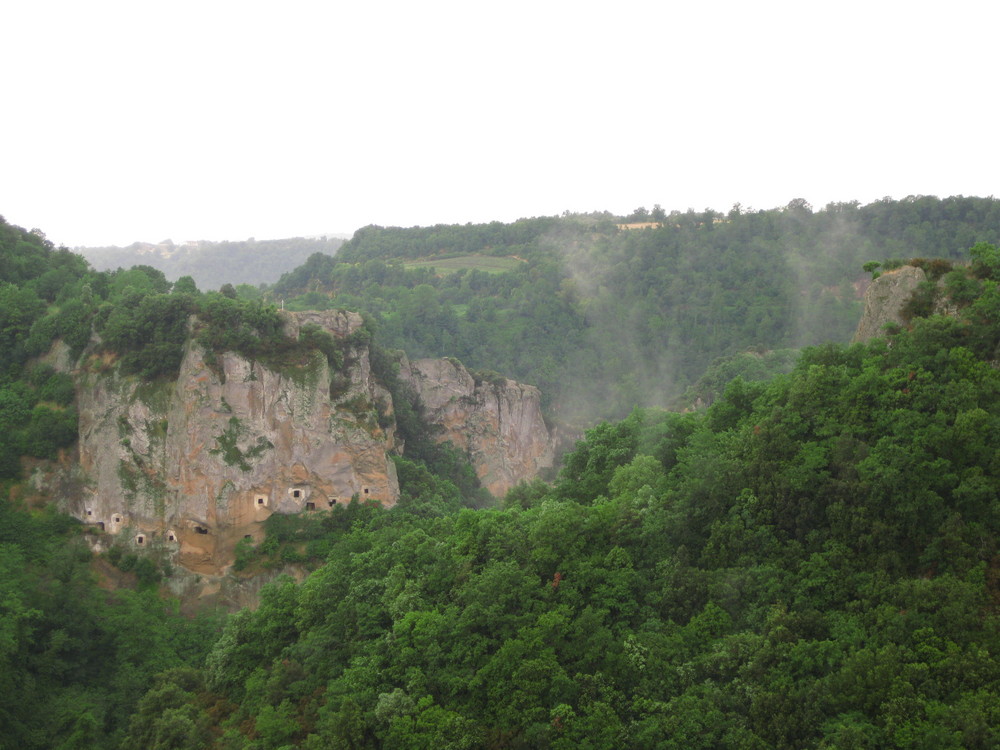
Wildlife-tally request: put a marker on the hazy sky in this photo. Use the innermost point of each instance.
(137, 120)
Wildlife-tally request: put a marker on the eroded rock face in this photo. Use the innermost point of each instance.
(498, 423)
(885, 298)
(198, 464)
(189, 468)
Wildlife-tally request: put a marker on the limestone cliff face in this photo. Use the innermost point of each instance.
(498, 423)
(885, 298)
(195, 465)
(189, 468)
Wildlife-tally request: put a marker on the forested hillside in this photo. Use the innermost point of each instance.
(74, 659)
(212, 264)
(37, 281)
(811, 561)
(603, 317)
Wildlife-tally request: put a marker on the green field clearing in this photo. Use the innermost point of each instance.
(486, 263)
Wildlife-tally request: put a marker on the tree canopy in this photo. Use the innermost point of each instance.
(811, 561)
(603, 317)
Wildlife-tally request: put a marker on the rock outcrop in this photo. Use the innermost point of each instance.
(196, 465)
(498, 421)
(885, 298)
(189, 468)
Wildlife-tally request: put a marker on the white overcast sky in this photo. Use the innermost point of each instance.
(125, 121)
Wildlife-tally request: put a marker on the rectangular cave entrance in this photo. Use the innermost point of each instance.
(310, 506)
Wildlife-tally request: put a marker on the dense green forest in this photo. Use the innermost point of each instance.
(603, 318)
(812, 561)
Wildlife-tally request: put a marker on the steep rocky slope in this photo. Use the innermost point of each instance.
(498, 421)
(888, 295)
(199, 463)
(884, 300)
(188, 468)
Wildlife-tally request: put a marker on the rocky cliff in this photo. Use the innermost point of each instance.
(890, 292)
(885, 298)
(497, 421)
(197, 464)
(191, 467)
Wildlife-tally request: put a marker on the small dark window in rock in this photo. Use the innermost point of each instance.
(296, 493)
(310, 506)
(366, 490)
(90, 512)
(200, 530)
(140, 539)
(332, 502)
(171, 537)
(117, 519)
(100, 525)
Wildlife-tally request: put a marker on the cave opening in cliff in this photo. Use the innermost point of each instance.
(171, 536)
(200, 530)
(332, 502)
(140, 539)
(310, 506)
(100, 525)
(296, 494)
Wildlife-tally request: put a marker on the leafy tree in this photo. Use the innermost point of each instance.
(985, 261)
(185, 285)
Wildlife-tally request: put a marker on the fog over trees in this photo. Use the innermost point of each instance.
(212, 264)
(604, 313)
